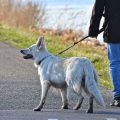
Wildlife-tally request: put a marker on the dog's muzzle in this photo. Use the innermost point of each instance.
(28, 56)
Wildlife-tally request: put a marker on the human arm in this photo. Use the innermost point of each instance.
(97, 13)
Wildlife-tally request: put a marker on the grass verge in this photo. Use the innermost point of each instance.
(22, 39)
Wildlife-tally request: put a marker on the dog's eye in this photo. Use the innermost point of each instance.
(30, 49)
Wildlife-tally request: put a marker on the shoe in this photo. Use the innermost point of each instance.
(115, 102)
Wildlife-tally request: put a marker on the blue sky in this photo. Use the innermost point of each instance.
(67, 2)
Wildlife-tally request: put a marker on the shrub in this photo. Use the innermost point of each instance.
(22, 14)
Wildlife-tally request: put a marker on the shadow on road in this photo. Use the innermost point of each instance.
(108, 112)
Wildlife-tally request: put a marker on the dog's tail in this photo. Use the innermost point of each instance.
(92, 85)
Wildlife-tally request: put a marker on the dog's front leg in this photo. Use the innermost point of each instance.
(45, 85)
(63, 92)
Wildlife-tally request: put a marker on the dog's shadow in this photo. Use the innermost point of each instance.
(108, 112)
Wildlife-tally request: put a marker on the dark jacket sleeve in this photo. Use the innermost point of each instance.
(97, 13)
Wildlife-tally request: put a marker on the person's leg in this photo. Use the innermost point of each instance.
(114, 60)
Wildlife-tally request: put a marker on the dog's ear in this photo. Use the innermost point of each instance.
(40, 43)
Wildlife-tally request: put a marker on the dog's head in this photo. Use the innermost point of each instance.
(35, 50)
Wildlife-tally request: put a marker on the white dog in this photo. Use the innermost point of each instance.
(76, 73)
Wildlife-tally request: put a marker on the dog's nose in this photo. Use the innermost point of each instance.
(21, 51)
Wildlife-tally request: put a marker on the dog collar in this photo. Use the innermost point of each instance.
(43, 59)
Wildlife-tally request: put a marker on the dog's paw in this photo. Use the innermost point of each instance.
(37, 109)
(64, 107)
(76, 107)
(89, 111)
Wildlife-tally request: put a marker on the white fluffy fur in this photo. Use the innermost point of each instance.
(76, 73)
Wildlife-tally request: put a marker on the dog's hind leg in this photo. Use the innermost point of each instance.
(63, 92)
(78, 91)
(79, 103)
(44, 87)
(90, 108)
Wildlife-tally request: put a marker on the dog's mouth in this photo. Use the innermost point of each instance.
(29, 56)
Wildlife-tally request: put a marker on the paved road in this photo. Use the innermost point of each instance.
(20, 92)
(59, 115)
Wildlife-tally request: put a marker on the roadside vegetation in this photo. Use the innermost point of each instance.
(21, 32)
(22, 13)
(20, 38)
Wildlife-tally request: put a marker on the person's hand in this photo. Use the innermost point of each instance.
(92, 35)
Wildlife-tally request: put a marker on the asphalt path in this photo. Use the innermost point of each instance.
(59, 115)
(20, 92)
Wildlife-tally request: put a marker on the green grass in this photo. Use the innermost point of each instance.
(20, 38)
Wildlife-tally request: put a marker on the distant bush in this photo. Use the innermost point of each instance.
(21, 13)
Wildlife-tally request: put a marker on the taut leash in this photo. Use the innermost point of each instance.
(101, 30)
